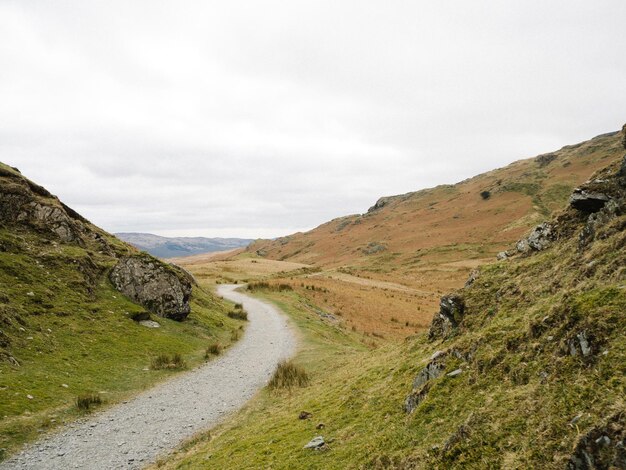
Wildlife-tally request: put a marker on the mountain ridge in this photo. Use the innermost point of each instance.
(178, 247)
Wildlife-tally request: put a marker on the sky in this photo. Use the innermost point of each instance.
(258, 119)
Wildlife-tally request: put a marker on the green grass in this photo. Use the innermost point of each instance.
(66, 332)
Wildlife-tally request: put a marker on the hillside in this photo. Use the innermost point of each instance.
(525, 367)
(82, 312)
(177, 247)
(385, 270)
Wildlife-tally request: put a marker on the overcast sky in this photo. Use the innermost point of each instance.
(262, 118)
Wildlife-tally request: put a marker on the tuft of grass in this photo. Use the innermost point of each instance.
(88, 400)
(213, 349)
(238, 314)
(289, 375)
(165, 361)
(235, 335)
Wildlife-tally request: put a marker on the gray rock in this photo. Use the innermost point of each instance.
(315, 443)
(502, 255)
(451, 310)
(160, 288)
(433, 370)
(539, 239)
(421, 384)
(149, 324)
(588, 201)
(455, 373)
(580, 344)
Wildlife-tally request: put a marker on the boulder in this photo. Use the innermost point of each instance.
(161, 288)
(588, 201)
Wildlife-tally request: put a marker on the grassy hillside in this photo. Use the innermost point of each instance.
(531, 374)
(64, 330)
(413, 248)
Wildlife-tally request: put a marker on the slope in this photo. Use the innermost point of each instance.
(66, 330)
(523, 368)
(427, 242)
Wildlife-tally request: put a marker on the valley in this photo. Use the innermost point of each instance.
(416, 345)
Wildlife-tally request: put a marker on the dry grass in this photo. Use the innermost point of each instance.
(213, 349)
(167, 361)
(87, 401)
(288, 375)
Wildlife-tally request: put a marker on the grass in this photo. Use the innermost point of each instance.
(75, 335)
(167, 361)
(238, 314)
(288, 375)
(88, 400)
(213, 349)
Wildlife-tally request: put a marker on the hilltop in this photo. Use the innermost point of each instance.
(178, 247)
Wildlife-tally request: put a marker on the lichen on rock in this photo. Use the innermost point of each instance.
(161, 288)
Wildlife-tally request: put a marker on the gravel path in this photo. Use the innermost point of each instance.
(135, 433)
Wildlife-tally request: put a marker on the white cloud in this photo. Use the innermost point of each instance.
(260, 118)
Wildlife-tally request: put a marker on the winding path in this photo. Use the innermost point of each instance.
(135, 433)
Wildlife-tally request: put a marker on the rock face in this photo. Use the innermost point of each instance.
(451, 309)
(22, 202)
(160, 288)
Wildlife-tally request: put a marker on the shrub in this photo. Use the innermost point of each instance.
(214, 349)
(485, 195)
(165, 361)
(238, 314)
(289, 375)
(86, 401)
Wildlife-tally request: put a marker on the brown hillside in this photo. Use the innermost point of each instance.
(428, 241)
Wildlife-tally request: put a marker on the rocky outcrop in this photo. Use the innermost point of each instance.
(22, 202)
(421, 384)
(588, 201)
(539, 239)
(545, 159)
(451, 309)
(161, 288)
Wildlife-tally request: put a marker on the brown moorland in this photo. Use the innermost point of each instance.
(384, 271)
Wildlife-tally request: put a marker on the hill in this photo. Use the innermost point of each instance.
(385, 270)
(178, 247)
(524, 367)
(83, 313)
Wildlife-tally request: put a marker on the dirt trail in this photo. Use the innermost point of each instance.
(137, 432)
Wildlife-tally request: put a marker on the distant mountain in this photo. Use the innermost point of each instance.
(174, 247)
